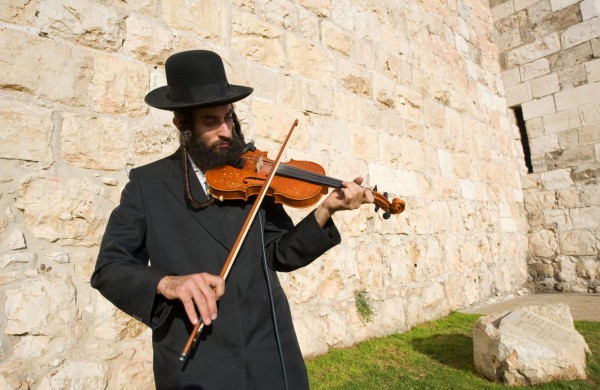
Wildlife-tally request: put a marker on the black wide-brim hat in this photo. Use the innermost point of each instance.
(195, 79)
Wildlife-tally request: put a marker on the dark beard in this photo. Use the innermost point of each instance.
(207, 157)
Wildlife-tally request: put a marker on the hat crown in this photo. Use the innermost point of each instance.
(195, 79)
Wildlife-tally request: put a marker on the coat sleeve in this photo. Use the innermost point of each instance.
(123, 274)
(291, 247)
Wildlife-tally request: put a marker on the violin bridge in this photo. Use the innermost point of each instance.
(259, 164)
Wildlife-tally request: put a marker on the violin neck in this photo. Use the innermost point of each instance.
(308, 176)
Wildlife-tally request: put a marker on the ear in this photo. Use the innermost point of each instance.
(177, 122)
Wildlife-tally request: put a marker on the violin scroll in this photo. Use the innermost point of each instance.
(381, 202)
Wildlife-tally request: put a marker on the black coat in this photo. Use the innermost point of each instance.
(154, 233)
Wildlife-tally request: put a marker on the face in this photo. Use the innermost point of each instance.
(214, 126)
(214, 142)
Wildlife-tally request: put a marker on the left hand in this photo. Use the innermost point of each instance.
(350, 197)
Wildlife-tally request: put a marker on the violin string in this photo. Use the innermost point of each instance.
(307, 175)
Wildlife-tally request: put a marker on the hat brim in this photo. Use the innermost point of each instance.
(159, 98)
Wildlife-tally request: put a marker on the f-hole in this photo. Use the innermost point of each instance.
(524, 139)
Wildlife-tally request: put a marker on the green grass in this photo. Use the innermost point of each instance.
(435, 355)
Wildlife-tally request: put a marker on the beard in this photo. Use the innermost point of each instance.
(212, 156)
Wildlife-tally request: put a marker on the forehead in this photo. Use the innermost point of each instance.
(218, 111)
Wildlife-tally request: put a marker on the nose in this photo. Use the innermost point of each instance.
(224, 131)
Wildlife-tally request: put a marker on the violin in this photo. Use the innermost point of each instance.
(296, 183)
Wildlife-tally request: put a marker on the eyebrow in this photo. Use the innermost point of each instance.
(210, 116)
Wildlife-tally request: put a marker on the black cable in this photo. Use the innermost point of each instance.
(274, 316)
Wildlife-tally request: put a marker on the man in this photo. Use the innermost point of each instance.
(166, 242)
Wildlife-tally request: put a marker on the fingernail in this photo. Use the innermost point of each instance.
(214, 317)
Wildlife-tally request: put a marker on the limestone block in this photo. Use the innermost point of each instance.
(317, 98)
(542, 47)
(20, 12)
(119, 86)
(518, 94)
(354, 78)
(544, 144)
(568, 139)
(560, 4)
(511, 77)
(153, 142)
(543, 243)
(46, 68)
(529, 346)
(590, 113)
(144, 7)
(281, 13)
(522, 4)
(186, 14)
(67, 210)
(589, 9)
(258, 40)
(503, 10)
(310, 60)
(45, 306)
(309, 25)
(77, 375)
(593, 70)
(590, 195)
(577, 243)
(580, 33)
(31, 347)
(95, 142)
(546, 85)
(568, 198)
(147, 41)
(335, 38)
(319, 7)
(539, 200)
(585, 218)
(561, 121)
(405, 151)
(557, 179)
(87, 23)
(535, 69)
(587, 268)
(27, 131)
(538, 107)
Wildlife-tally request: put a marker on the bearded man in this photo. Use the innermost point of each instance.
(166, 242)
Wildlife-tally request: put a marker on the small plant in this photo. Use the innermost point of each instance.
(363, 305)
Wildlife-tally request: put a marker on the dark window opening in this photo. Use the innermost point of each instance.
(524, 139)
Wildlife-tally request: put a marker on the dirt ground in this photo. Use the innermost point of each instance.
(583, 306)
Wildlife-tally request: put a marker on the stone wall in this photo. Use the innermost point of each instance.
(551, 68)
(408, 94)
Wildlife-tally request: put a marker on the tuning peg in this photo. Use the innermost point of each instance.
(386, 215)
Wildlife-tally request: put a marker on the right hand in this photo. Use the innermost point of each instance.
(197, 292)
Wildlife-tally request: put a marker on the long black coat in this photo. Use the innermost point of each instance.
(154, 233)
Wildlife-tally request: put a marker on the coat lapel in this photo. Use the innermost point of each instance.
(209, 218)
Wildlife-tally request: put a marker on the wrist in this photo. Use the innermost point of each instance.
(322, 215)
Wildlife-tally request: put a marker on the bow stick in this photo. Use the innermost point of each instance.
(195, 335)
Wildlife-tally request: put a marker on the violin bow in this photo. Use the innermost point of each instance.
(195, 335)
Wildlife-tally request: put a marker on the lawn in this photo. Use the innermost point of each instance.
(435, 355)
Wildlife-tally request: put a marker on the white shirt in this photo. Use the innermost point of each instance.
(200, 176)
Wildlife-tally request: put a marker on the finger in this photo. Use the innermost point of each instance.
(368, 196)
(202, 304)
(209, 306)
(217, 283)
(190, 309)
(358, 180)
